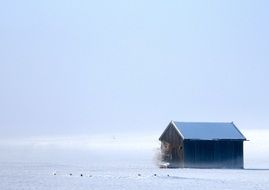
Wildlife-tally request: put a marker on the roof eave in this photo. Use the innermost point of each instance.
(216, 139)
(164, 131)
(174, 125)
(239, 132)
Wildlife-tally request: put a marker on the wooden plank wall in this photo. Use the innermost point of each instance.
(172, 147)
(171, 136)
(213, 154)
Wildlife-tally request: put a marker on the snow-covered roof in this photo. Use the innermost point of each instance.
(208, 131)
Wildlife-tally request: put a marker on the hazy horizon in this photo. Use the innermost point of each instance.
(80, 149)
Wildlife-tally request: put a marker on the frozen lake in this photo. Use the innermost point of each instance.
(40, 176)
(112, 164)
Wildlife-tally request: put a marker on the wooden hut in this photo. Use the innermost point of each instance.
(202, 145)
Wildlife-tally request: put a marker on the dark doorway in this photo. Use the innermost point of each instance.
(175, 154)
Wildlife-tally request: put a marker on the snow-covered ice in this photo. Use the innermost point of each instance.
(46, 163)
(40, 176)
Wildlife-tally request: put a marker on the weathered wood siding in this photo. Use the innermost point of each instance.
(172, 147)
(171, 136)
(213, 154)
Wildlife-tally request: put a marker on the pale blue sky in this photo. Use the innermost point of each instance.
(82, 67)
